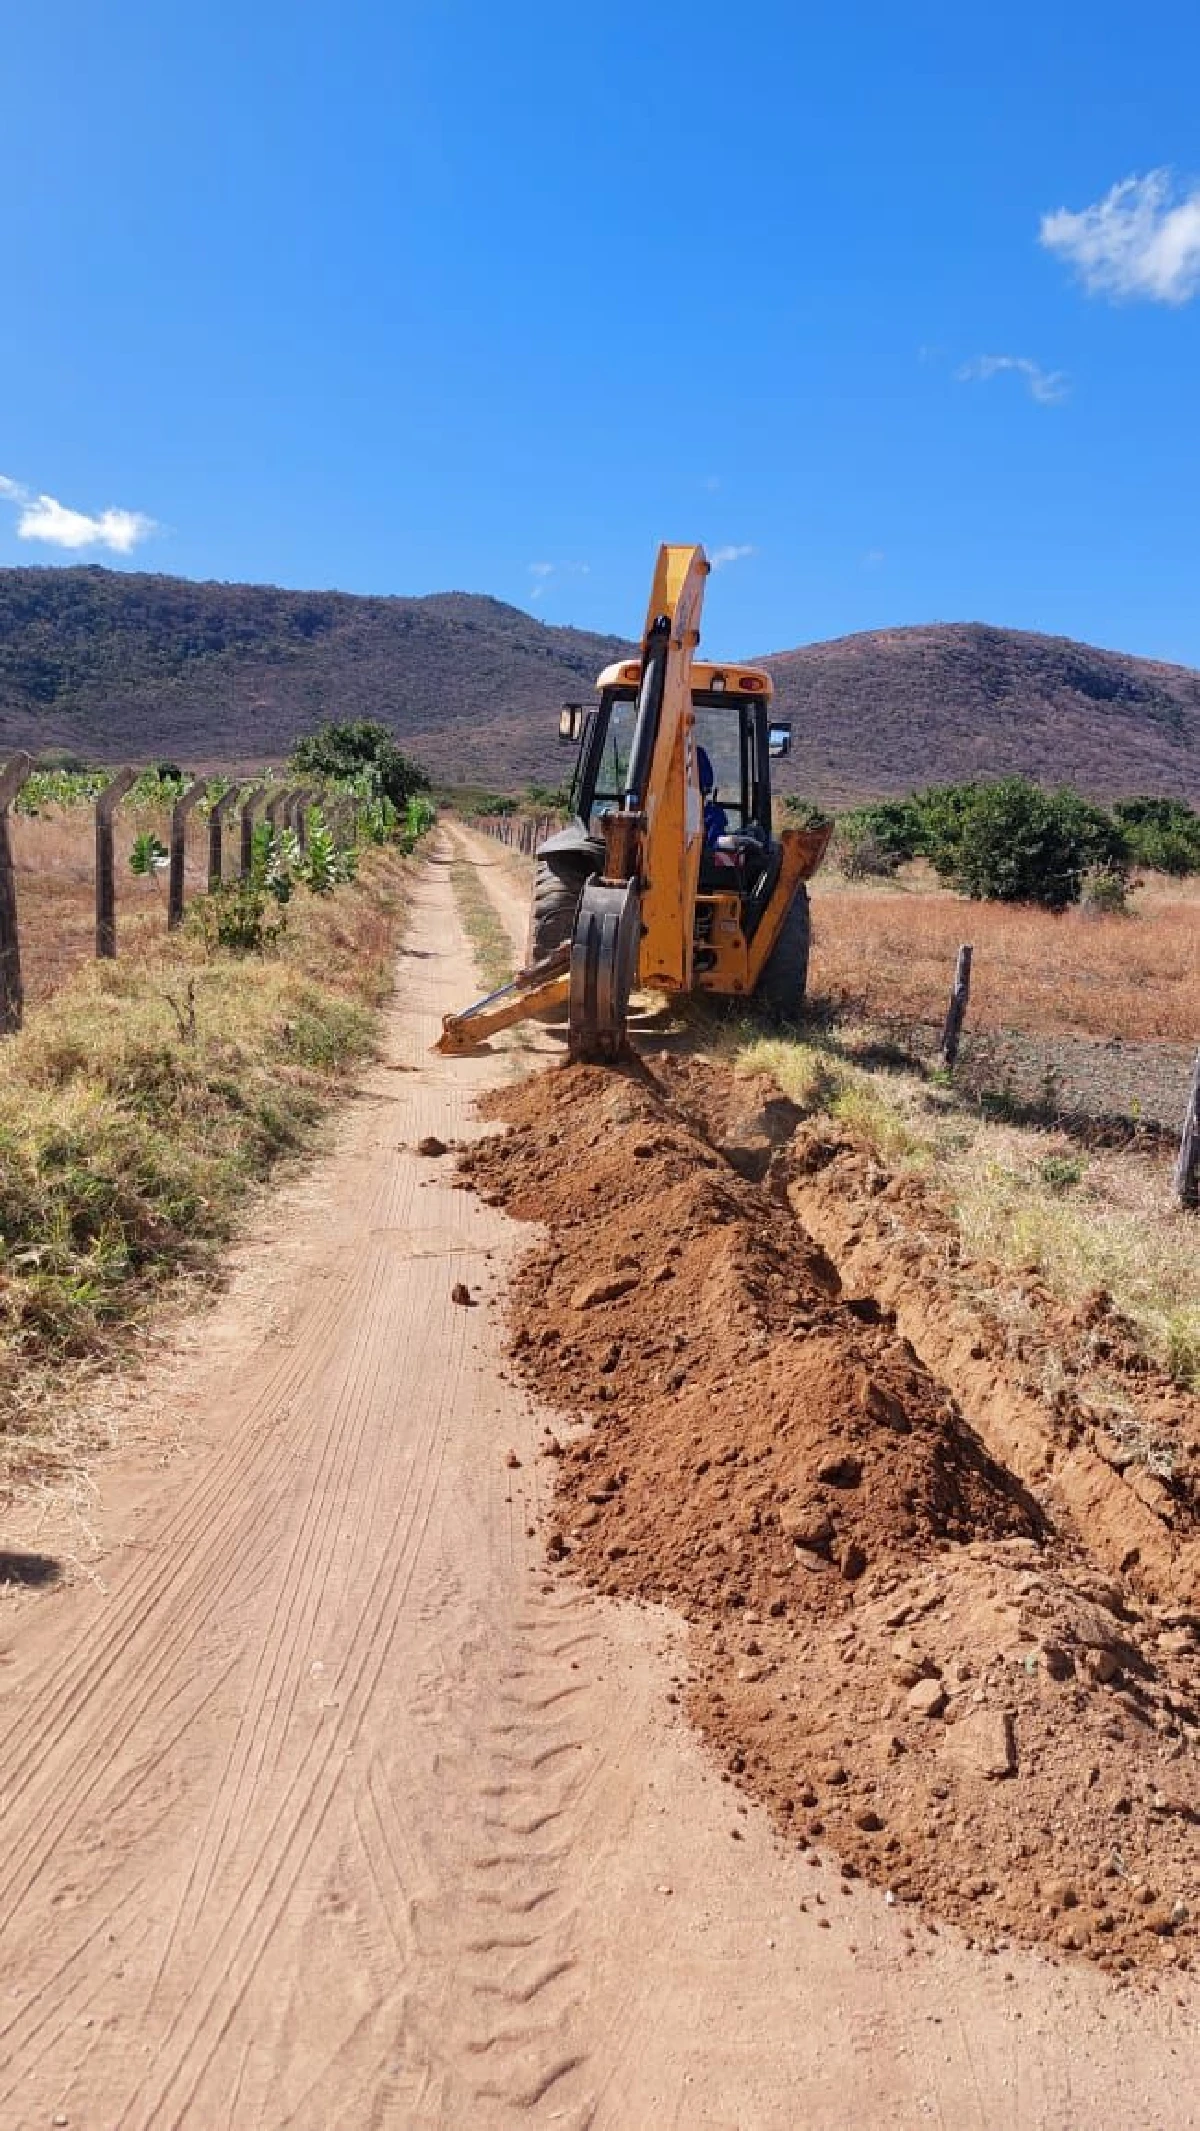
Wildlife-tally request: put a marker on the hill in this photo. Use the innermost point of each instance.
(113, 666)
(877, 713)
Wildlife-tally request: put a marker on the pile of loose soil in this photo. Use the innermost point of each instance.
(901, 1645)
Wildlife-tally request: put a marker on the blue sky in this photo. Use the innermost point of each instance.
(443, 295)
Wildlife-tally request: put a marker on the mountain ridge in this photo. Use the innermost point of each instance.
(114, 665)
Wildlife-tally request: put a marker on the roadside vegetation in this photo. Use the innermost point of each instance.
(1034, 1199)
(1052, 1142)
(149, 1098)
(884, 950)
(490, 942)
(1011, 841)
(53, 843)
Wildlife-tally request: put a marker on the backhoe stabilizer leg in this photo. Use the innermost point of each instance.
(531, 992)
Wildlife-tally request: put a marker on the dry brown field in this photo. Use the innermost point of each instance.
(54, 861)
(889, 951)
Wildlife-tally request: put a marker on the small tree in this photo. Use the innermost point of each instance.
(553, 798)
(894, 826)
(347, 752)
(1011, 842)
(1162, 833)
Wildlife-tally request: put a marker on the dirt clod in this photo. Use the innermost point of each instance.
(927, 1698)
(591, 1293)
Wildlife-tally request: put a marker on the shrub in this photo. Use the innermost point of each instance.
(859, 852)
(419, 817)
(1161, 833)
(361, 749)
(148, 856)
(235, 917)
(894, 826)
(1105, 893)
(1011, 842)
(325, 866)
(804, 813)
(942, 811)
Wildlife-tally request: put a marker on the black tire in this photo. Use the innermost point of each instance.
(784, 980)
(552, 907)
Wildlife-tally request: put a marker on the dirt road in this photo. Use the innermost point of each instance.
(323, 1807)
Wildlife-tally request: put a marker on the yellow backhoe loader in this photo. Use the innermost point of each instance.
(670, 876)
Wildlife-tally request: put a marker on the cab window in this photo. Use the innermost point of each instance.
(613, 767)
(719, 731)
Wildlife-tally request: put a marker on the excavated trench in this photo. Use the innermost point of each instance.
(937, 1627)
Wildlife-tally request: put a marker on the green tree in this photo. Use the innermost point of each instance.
(360, 751)
(554, 798)
(1162, 833)
(1011, 842)
(895, 826)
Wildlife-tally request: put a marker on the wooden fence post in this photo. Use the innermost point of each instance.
(179, 821)
(106, 885)
(1187, 1168)
(276, 807)
(246, 856)
(298, 805)
(216, 835)
(12, 996)
(957, 1008)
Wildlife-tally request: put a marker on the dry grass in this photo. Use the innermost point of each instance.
(888, 952)
(54, 861)
(139, 1108)
(1030, 1200)
(1083, 1222)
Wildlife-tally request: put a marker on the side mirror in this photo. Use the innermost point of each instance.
(570, 723)
(779, 740)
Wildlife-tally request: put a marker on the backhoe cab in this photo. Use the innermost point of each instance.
(669, 875)
(735, 741)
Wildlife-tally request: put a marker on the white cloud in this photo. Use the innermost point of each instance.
(1140, 240)
(1048, 387)
(722, 557)
(873, 558)
(542, 572)
(45, 518)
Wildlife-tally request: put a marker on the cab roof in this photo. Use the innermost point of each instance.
(627, 672)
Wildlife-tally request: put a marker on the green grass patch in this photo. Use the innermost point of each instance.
(490, 941)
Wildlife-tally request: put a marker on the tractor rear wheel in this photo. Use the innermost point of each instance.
(784, 980)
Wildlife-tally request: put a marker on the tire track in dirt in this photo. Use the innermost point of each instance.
(272, 1799)
(515, 1937)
